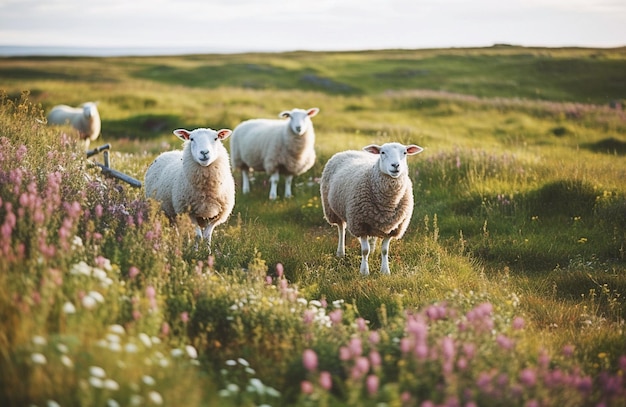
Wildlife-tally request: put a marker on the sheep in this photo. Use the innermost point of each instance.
(197, 180)
(276, 147)
(85, 119)
(371, 193)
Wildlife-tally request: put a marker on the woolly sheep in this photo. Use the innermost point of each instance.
(197, 180)
(369, 191)
(85, 119)
(276, 147)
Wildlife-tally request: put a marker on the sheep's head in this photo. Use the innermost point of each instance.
(392, 157)
(299, 120)
(90, 110)
(205, 145)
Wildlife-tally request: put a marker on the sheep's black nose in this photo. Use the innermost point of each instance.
(395, 165)
(204, 153)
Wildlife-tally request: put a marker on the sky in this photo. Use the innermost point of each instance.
(285, 25)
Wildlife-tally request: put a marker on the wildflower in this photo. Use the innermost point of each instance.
(528, 377)
(155, 397)
(372, 382)
(96, 382)
(52, 403)
(361, 324)
(504, 342)
(309, 360)
(117, 329)
(518, 323)
(374, 337)
(361, 367)
(326, 380)
(111, 384)
(375, 359)
(243, 362)
(88, 302)
(191, 352)
(38, 358)
(176, 353)
(97, 371)
(39, 340)
(356, 346)
(336, 316)
(568, 350)
(133, 272)
(96, 296)
(184, 316)
(279, 270)
(112, 403)
(67, 362)
(148, 380)
(306, 387)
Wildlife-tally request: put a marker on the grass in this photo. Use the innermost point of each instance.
(507, 288)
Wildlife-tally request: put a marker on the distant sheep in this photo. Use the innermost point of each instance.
(276, 147)
(85, 119)
(369, 191)
(197, 180)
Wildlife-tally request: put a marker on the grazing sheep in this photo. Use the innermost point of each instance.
(85, 119)
(197, 180)
(369, 191)
(276, 147)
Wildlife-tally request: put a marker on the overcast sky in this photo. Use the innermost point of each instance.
(275, 25)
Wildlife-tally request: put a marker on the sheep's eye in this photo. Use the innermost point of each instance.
(191, 139)
(216, 138)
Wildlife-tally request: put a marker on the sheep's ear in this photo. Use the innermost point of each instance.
(413, 149)
(372, 148)
(286, 114)
(182, 134)
(312, 111)
(224, 134)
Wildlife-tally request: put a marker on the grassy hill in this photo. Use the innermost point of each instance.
(513, 263)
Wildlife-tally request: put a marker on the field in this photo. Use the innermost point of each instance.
(507, 289)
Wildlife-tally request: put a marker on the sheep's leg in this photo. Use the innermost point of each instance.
(245, 178)
(341, 246)
(384, 252)
(208, 233)
(288, 180)
(365, 252)
(372, 241)
(198, 234)
(274, 185)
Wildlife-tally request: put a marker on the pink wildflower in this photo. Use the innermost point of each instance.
(184, 316)
(165, 328)
(133, 272)
(309, 360)
(372, 382)
(279, 270)
(361, 324)
(336, 316)
(150, 292)
(528, 377)
(518, 323)
(306, 387)
(374, 337)
(505, 342)
(375, 359)
(326, 381)
(356, 346)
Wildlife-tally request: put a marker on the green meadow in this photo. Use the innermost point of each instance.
(507, 289)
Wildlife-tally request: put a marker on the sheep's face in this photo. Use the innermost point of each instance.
(204, 144)
(90, 110)
(392, 157)
(299, 120)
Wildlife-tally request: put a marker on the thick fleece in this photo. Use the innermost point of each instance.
(370, 194)
(197, 180)
(276, 147)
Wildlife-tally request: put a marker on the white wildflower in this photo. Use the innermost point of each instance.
(112, 403)
(97, 371)
(61, 347)
(69, 308)
(111, 384)
(113, 338)
(257, 385)
(67, 362)
(148, 380)
(243, 362)
(131, 348)
(77, 242)
(117, 329)
(176, 353)
(115, 347)
(99, 274)
(233, 388)
(315, 303)
(96, 296)
(155, 397)
(38, 358)
(145, 339)
(39, 340)
(191, 352)
(80, 268)
(52, 403)
(231, 362)
(88, 302)
(96, 382)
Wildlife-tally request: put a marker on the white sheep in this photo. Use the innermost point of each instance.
(276, 147)
(85, 119)
(369, 191)
(197, 180)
